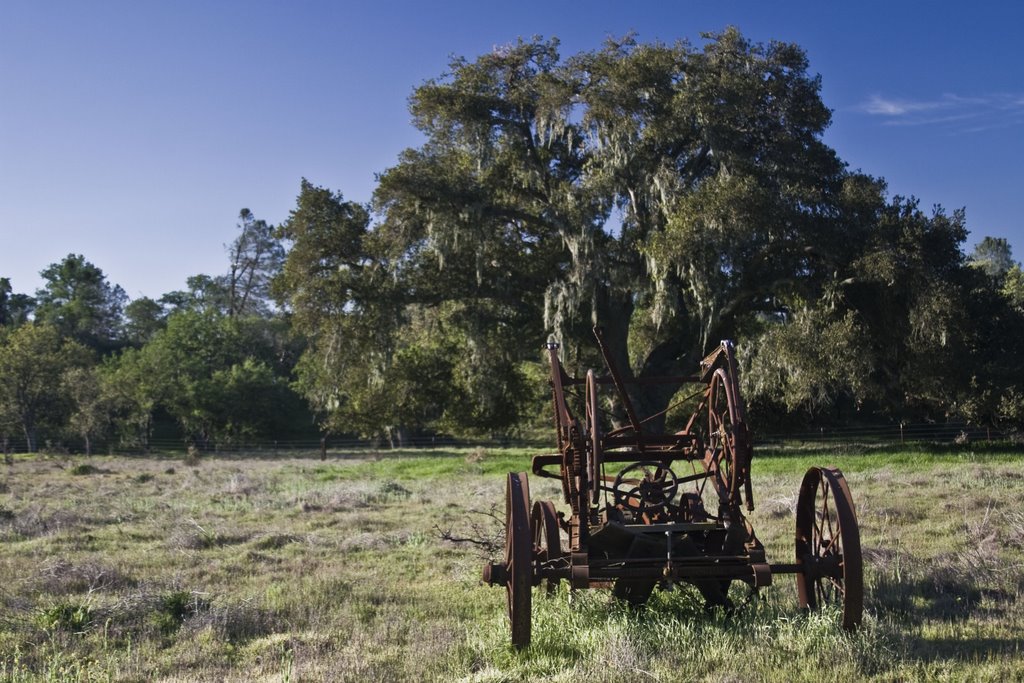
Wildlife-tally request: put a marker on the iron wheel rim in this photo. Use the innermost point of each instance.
(518, 557)
(828, 546)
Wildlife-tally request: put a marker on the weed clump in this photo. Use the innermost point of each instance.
(388, 491)
(173, 608)
(60, 577)
(274, 541)
(393, 489)
(66, 616)
(195, 537)
(84, 469)
(236, 623)
(192, 456)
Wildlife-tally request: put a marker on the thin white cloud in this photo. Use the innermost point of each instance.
(965, 114)
(877, 104)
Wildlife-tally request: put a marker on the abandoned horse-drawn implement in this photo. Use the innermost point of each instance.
(639, 519)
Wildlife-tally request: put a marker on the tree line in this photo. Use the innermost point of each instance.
(675, 195)
(79, 363)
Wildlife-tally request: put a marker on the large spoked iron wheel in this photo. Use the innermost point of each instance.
(547, 540)
(828, 546)
(518, 557)
(721, 441)
(594, 433)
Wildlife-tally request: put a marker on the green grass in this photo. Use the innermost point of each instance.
(132, 569)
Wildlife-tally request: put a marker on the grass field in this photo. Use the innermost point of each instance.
(291, 569)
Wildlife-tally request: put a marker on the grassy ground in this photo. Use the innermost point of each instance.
(294, 569)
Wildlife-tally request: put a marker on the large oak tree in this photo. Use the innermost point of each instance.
(664, 192)
(675, 195)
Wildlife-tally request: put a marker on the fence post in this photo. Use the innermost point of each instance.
(901, 433)
(323, 448)
(7, 452)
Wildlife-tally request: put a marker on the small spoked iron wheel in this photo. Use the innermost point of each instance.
(547, 540)
(518, 557)
(828, 546)
(645, 486)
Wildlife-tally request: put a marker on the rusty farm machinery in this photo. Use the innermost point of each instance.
(657, 509)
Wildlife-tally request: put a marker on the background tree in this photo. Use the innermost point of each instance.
(92, 413)
(216, 376)
(204, 294)
(887, 332)
(328, 281)
(249, 402)
(993, 255)
(811, 365)
(256, 257)
(143, 318)
(77, 299)
(389, 355)
(33, 361)
(1013, 287)
(134, 384)
(15, 309)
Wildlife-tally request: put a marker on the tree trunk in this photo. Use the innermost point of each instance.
(677, 354)
(671, 357)
(614, 315)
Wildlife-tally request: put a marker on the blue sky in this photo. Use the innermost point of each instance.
(133, 132)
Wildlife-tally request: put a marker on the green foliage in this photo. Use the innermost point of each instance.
(249, 402)
(902, 328)
(945, 342)
(993, 255)
(552, 194)
(33, 360)
(673, 194)
(322, 279)
(91, 414)
(808, 364)
(144, 317)
(678, 196)
(80, 303)
(256, 258)
(1013, 287)
(205, 294)
(213, 374)
(385, 355)
(133, 385)
(14, 308)
(324, 285)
